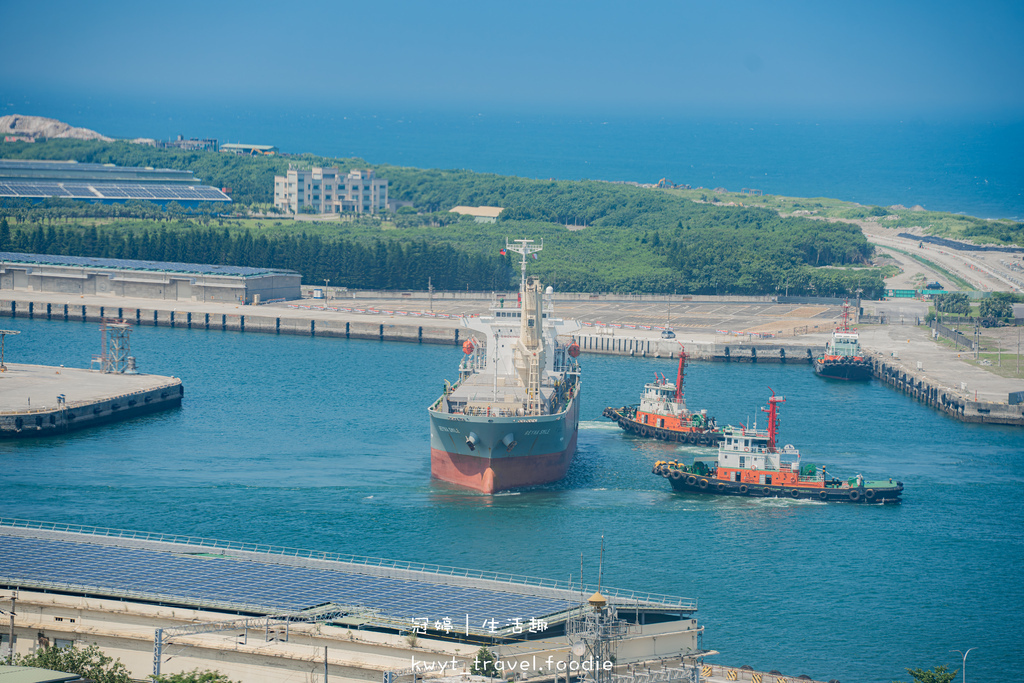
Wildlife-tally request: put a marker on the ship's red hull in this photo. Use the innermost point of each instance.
(500, 474)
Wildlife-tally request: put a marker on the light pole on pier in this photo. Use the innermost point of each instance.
(327, 292)
(964, 666)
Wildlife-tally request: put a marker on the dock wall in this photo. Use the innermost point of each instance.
(255, 320)
(82, 414)
(944, 400)
(252, 320)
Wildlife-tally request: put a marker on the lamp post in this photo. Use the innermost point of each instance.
(964, 666)
(327, 292)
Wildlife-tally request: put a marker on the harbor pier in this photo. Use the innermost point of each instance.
(40, 400)
(908, 360)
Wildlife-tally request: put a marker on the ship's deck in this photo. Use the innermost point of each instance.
(478, 394)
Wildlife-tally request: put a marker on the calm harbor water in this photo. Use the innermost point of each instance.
(323, 444)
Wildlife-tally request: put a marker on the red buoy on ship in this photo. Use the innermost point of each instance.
(467, 346)
(574, 350)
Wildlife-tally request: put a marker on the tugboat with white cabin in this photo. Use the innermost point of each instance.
(749, 464)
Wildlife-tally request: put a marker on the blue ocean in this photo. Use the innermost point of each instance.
(323, 444)
(961, 166)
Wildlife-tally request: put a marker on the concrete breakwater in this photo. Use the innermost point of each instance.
(944, 399)
(70, 398)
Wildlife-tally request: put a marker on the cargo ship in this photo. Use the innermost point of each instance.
(749, 464)
(662, 413)
(511, 419)
(843, 358)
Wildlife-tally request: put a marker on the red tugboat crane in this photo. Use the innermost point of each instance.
(773, 418)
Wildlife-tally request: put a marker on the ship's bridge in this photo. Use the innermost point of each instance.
(659, 397)
(845, 344)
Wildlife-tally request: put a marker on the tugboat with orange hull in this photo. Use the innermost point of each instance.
(662, 413)
(843, 358)
(749, 464)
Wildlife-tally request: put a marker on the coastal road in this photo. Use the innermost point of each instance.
(994, 271)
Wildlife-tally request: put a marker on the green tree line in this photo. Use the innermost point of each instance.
(374, 264)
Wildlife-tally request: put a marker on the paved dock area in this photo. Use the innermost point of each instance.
(704, 320)
(907, 345)
(33, 388)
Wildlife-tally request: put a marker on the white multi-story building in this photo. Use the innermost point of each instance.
(326, 190)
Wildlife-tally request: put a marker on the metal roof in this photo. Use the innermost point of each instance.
(132, 264)
(265, 580)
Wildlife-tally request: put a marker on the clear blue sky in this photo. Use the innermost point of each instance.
(886, 58)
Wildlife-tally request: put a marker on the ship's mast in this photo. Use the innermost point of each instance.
(773, 418)
(524, 248)
(529, 349)
(679, 374)
(846, 315)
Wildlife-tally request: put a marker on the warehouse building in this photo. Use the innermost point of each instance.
(145, 279)
(103, 183)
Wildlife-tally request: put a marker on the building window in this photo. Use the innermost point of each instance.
(61, 642)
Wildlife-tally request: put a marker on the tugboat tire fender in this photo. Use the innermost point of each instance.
(703, 440)
(720, 488)
(794, 493)
(703, 483)
(676, 475)
(643, 431)
(854, 495)
(744, 489)
(691, 438)
(766, 490)
(823, 495)
(869, 494)
(691, 480)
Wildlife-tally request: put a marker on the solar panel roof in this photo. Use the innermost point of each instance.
(246, 584)
(263, 582)
(99, 190)
(133, 264)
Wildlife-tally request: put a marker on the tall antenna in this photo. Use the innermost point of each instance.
(600, 566)
(524, 248)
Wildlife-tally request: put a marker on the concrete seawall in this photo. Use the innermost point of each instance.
(253, 320)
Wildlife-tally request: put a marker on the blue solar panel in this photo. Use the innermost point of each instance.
(108, 190)
(244, 583)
